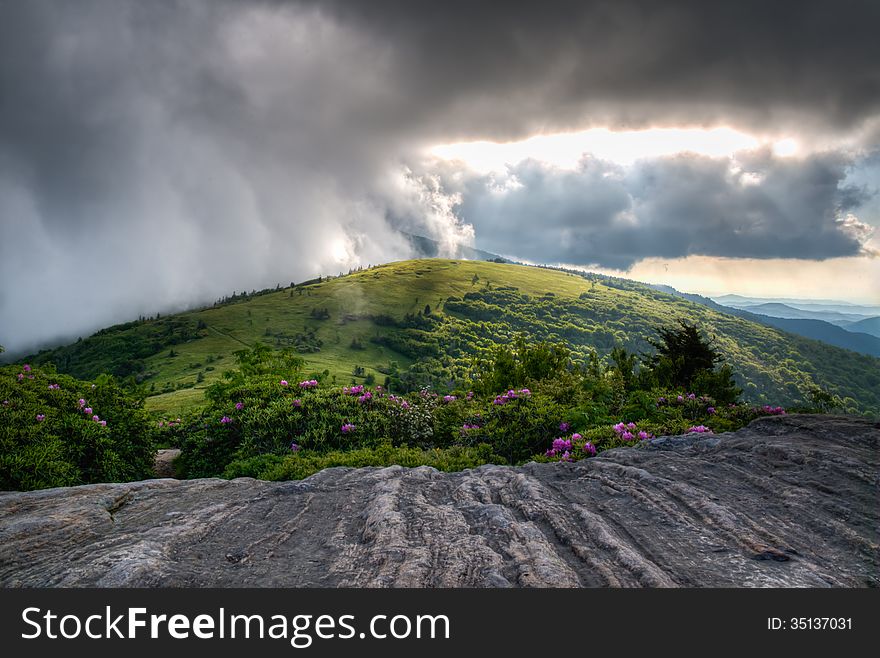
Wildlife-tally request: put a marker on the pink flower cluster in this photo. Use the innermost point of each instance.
(699, 429)
(27, 369)
(629, 432)
(354, 390)
(225, 420)
(773, 411)
(297, 403)
(239, 406)
(563, 448)
(294, 447)
(401, 401)
(348, 428)
(54, 387)
(41, 418)
(449, 398)
(504, 398)
(88, 412)
(309, 383)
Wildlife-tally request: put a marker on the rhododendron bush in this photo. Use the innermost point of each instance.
(256, 423)
(58, 431)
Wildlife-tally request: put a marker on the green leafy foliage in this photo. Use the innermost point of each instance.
(264, 425)
(48, 438)
(303, 464)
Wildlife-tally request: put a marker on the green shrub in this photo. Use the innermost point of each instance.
(48, 440)
(304, 463)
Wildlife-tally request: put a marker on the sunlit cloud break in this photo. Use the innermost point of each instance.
(623, 147)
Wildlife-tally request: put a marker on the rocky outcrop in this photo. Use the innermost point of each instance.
(787, 501)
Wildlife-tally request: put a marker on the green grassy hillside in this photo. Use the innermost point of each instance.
(433, 321)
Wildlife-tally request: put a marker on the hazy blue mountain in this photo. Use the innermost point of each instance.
(807, 307)
(866, 326)
(824, 331)
(857, 341)
(777, 310)
(806, 304)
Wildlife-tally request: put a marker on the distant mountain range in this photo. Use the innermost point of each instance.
(778, 310)
(804, 304)
(867, 326)
(862, 335)
(854, 318)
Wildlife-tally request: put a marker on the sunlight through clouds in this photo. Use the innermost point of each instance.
(565, 150)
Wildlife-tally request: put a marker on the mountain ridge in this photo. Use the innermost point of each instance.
(423, 322)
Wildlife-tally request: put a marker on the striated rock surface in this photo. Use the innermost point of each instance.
(788, 501)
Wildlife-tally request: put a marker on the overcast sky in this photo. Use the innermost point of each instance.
(154, 155)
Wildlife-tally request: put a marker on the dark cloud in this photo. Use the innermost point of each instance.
(755, 206)
(158, 154)
(505, 70)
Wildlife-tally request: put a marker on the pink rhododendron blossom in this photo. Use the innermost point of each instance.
(699, 429)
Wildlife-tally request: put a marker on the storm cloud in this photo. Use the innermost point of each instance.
(604, 214)
(154, 155)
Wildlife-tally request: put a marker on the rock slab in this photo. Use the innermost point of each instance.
(789, 501)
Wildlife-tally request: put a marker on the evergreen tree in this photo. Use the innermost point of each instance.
(684, 359)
